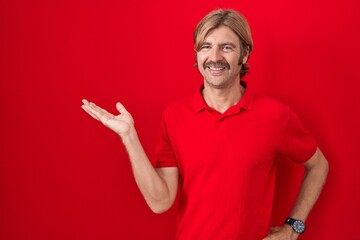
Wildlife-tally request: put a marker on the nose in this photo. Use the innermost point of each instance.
(215, 55)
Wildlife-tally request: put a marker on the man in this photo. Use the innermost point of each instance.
(220, 146)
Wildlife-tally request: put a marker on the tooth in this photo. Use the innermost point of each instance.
(216, 69)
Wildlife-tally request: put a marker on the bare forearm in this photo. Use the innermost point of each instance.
(310, 190)
(314, 179)
(158, 187)
(151, 184)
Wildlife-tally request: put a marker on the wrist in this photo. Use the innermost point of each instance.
(290, 231)
(296, 225)
(129, 136)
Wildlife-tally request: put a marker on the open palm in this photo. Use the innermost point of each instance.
(120, 124)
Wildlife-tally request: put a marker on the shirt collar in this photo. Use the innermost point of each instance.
(246, 101)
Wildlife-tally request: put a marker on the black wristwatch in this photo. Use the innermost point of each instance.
(297, 225)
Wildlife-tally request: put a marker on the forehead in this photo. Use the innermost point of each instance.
(222, 35)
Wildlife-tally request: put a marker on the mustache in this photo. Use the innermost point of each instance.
(217, 64)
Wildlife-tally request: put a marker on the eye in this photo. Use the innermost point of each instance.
(205, 47)
(227, 48)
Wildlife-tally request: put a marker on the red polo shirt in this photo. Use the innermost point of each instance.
(227, 163)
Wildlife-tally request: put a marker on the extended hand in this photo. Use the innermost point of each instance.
(120, 124)
(284, 232)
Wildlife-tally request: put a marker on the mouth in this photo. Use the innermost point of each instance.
(216, 68)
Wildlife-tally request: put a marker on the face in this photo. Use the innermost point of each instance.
(218, 58)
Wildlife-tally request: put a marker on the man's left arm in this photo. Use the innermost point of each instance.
(316, 172)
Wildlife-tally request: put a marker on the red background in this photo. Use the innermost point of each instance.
(64, 176)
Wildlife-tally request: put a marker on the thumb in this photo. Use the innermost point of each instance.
(120, 108)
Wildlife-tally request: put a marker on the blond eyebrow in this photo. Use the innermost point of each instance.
(221, 44)
(228, 43)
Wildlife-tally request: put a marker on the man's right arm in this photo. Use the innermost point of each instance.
(158, 186)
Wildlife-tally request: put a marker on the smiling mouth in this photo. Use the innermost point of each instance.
(216, 68)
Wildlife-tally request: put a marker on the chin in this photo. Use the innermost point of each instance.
(217, 84)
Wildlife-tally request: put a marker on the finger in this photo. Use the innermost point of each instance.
(98, 110)
(94, 110)
(89, 111)
(120, 108)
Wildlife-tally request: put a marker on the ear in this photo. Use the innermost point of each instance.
(246, 55)
(196, 61)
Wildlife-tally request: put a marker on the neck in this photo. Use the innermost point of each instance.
(224, 98)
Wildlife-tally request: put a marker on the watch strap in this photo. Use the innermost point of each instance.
(294, 223)
(290, 221)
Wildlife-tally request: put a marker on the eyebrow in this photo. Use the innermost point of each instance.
(221, 44)
(228, 43)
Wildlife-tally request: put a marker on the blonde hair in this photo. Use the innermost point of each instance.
(231, 19)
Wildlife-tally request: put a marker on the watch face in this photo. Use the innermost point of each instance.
(299, 226)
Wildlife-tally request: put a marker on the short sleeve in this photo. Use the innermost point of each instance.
(297, 143)
(164, 153)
